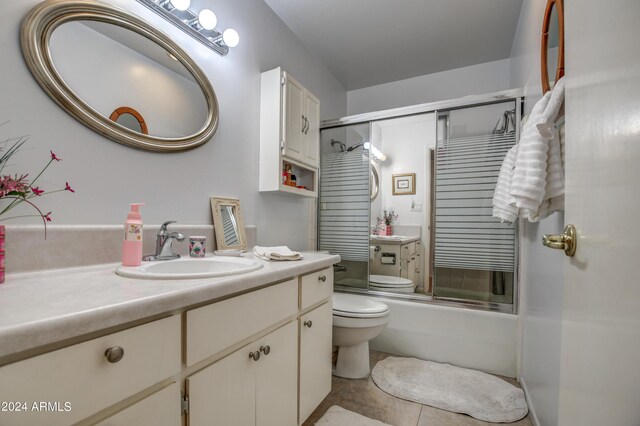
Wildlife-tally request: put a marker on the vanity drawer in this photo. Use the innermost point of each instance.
(160, 409)
(316, 287)
(215, 327)
(78, 381)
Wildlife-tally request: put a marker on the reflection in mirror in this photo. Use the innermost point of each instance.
(227, 221)
(139, 73)
(129, 118)
(90, 57)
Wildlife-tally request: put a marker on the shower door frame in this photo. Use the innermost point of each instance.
(515, 95)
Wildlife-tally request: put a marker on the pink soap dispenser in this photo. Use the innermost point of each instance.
(132, 244)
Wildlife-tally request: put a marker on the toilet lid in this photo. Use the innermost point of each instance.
(389, 281)
(357, 306)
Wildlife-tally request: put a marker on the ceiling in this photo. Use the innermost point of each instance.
(369, 42)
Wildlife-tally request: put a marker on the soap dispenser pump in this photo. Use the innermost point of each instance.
(132, 243)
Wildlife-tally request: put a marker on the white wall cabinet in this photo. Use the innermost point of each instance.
(289, 134)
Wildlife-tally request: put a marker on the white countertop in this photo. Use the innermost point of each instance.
(46, 307)
(391, 239)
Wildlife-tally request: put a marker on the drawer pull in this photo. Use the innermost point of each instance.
(114, 354)
(322, 278)
(265, 349)
(255, 355)
(308, 323)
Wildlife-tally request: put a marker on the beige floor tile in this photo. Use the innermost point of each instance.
(364, 397)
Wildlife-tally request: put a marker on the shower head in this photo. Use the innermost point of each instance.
(354, 147)
(342, 146)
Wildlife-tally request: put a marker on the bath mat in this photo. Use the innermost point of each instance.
(451, 388)
(338, 416)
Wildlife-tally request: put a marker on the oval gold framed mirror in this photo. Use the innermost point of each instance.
(47, 38)
(552, 39)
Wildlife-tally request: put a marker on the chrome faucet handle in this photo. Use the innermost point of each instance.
(166, 251)
(163, 228)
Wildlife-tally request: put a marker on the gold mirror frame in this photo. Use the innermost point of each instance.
(35, 34)
(218, 226)
(546, 25)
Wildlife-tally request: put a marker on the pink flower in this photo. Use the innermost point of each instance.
(54, 156)
(37, 191)
(48, 217)
(67, 187)
(16, 185)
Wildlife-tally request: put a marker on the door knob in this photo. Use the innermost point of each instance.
(566, 241)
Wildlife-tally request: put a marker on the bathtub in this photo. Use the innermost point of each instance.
(482, 340)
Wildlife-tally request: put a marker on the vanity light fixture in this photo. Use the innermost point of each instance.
(379, 155)
(201, 26)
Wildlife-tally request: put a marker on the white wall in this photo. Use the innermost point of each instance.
(472, 80)
(108, 176)
(541, 283)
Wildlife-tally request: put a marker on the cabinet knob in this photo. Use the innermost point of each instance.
(255, 355)
(265, 349)
(308, 323)
(114, 354)
(322, 278)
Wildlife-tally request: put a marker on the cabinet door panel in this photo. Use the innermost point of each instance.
(224, 393)
(315, 359)
(277, 378)
(312, 133)
(294, 122)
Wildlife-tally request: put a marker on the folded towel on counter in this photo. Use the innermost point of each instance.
(277, 253)
(531, 180)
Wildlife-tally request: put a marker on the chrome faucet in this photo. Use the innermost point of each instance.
(164, 240)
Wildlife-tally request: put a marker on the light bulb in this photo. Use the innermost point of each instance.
(207, 19)
(230, 37)
(180, 4)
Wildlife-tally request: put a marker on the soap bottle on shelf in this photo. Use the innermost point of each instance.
(132, 243)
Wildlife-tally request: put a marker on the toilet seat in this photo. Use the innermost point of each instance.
(391, 283)
(351, 306)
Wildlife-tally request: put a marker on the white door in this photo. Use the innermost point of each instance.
(600, 348)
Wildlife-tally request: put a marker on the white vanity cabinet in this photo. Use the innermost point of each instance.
(289, 134)
(71, 384)
(257, 357)
(398, 260)
(255, 385)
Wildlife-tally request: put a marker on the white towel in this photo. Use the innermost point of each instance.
(531, 180)
(277, 253)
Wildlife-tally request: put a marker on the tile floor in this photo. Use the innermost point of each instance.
(363, 396)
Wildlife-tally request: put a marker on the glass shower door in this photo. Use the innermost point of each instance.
(475, 254)
(343, 203)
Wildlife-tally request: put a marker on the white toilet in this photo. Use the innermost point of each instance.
(356, 320)
(391, 283)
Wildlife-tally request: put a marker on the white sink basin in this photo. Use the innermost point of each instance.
(189, 268)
